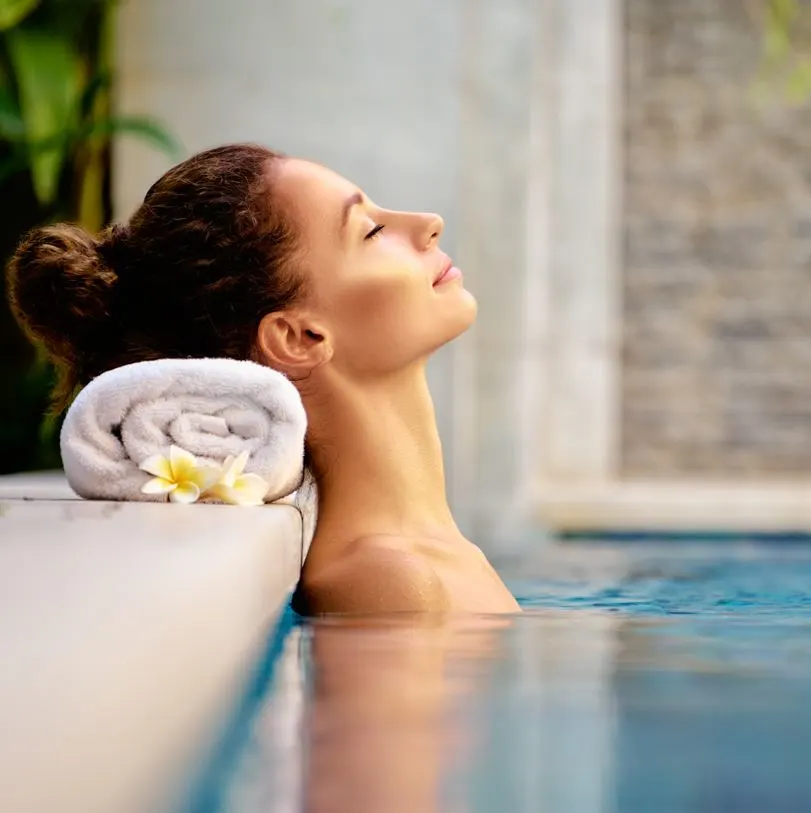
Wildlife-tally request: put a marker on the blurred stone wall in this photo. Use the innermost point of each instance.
(717, 279)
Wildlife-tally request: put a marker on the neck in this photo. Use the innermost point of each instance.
(378, 459)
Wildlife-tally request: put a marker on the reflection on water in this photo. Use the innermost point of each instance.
(639, 679)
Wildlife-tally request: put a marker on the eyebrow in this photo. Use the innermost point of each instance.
(351, 201)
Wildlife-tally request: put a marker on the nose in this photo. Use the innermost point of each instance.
(428, 229)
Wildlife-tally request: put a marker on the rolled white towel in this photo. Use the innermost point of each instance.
(211, 408)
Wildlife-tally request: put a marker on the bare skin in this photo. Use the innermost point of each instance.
(386, 540)
(357, 347)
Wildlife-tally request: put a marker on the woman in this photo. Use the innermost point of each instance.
(241, 252)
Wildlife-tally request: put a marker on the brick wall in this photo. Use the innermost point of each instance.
(717, 280)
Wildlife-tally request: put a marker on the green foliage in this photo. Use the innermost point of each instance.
(56, 127)
(48, 70)
(786, 53)
(52, 102)
(14, 11)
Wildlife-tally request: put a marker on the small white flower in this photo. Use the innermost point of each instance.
(237, 488)
(180, 476)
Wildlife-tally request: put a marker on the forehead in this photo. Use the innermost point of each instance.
(316, 194)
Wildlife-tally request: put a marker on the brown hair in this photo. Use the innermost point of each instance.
(202, 260)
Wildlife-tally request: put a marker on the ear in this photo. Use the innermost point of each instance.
(292, 343)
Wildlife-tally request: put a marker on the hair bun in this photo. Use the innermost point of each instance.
(60, 289)
(114, 246)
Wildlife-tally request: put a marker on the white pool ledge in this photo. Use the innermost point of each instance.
(127, 632)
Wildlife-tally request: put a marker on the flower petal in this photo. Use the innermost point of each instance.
(205, 477)
(229, 472)
(158, 485)
(251, 489)
(241, 462)
(183, 463)
(157, 465)
(219, 491)
(226, 494)
(185, 493)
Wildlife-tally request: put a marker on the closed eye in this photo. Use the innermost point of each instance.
(375, 231)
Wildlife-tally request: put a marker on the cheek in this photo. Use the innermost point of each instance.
(382, 317)
(382, 305)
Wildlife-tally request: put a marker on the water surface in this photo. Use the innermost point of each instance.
(671, 677)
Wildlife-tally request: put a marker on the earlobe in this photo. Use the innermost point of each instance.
(292, 343)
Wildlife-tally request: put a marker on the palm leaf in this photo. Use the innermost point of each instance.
(144, 127)
(99, 84)
(12, 126)
(13, 12)
(49, 76)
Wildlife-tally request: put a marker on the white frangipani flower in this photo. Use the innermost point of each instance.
(237, 488)
(179, 475)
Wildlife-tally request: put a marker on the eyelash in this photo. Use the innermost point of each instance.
(374, 232)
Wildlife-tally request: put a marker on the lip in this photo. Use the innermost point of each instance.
(448, 273)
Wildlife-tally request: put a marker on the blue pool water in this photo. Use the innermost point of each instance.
(641, 677)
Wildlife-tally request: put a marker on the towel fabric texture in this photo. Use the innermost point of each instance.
(212, 408)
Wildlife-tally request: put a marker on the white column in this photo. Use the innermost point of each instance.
(498, 42)
(540, 225)
(580, 421)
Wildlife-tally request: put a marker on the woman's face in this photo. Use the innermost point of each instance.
(383, 291)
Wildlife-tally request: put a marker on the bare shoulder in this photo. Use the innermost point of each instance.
(376, 575)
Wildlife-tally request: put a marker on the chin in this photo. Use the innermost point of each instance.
(463, 316)
(469, 308)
